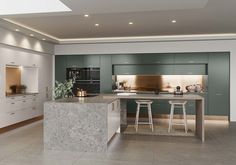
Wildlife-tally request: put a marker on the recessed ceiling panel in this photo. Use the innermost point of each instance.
(113, 6)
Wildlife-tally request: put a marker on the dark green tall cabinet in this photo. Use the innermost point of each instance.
(218, 84)
(60, 68)
(106, 74)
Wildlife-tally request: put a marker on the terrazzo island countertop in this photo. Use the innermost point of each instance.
(78, 124)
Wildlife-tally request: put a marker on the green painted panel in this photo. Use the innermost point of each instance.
(126, 59)
(142, 69)
(143, 59)
(218, 88)
(106, 74)
(192, 69)
(185, 58)
(75, 61)
(60, 68)
(92, 61)
(158, 58)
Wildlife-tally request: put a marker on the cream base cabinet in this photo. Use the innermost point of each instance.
(18, 109)
(23, 107)
(113, 118)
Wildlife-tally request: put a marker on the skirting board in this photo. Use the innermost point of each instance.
(165, 116)
(20, 124)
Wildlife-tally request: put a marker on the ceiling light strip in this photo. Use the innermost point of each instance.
(150, 38)
(31, 29)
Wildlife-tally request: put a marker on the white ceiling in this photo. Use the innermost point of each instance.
(150, 18)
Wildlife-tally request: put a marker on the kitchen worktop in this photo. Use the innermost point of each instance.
(99, 99)
(108, 98)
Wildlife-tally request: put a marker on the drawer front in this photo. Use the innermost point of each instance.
(17, 116)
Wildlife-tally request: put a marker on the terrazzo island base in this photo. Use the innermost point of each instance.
(86, 125)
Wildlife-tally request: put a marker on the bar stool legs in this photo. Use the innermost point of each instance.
(144, 104)
(180, 104)
(137, 117)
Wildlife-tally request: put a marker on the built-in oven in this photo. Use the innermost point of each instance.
(87, 79)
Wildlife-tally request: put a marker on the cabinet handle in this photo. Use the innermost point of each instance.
(190, 72)
(157, 62)
(12, 98)
(218, 94)
(126, 62)
(12, 103)
(12, 113)
(191, 61)
(24, 101)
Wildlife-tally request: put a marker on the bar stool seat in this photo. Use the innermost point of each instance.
(144, 104)
(177, 104)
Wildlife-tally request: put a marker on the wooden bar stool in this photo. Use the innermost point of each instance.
(177, 104)
(144, 104)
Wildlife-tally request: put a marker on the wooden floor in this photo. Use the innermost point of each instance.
(24, 146)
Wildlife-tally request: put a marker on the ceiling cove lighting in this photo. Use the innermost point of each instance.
(11, 7)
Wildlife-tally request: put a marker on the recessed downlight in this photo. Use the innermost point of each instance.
(96, 24)
(17, 30)
(86, 15)
(173, 21)
(131, 23)
(31, 35)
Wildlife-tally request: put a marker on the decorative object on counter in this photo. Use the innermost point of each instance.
(178, 91)
(64, 90)
(81, 93)
(13, 89)
(22, 88)
(194, 88)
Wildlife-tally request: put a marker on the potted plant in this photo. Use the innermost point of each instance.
(13, 89)
(63, 90)
(22, 88)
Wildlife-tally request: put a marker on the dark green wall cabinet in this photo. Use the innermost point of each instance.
(191, 58)
(143, 59)
(215, 65)
(106, 74)
(218, 87)
(187, 69)
(142, 69)
(60, 68)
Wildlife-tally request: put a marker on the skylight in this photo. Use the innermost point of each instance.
(10, 7)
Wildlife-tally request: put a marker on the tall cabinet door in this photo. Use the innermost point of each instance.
(105, 74)
(60, 68)
(218, 87)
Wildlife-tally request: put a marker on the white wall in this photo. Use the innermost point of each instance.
(162, 47)
(26, 42)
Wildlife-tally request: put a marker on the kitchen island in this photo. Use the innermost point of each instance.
(87, 124)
